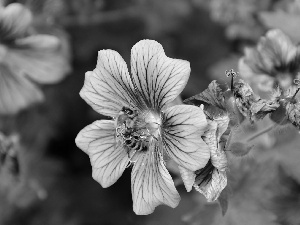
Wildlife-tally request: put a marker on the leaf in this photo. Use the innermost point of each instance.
(223, 200)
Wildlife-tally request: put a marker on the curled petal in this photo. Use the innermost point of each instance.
(16, 92)
(157, 78)
(108, 88)
(188, 178)
(222, 122)
(151, 183)
(108, 158)
(218, 156)
(14, 21)
(182, 129)
(213, 188)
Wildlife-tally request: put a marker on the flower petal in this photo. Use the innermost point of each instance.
(40, 41)
(212, 189)
(188, 178)
(151, 183)
(157, 78)
(108, 158)
(42, 64)
(277, 45)
(182, 129)
(108, 88)
(14, 21)
(218, 156)
(222, 122)
(16, 92)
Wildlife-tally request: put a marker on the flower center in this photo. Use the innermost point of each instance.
(285, 80)
(135, 130)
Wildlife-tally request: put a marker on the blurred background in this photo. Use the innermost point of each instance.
(47, 180)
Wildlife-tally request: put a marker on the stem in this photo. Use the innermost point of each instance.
(261, 132)
(231, 83)
(296, 93)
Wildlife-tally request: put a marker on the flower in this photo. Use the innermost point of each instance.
(275, 61)
(210, 180)
(26, 58)
(143, 128)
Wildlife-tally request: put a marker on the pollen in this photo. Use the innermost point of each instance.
(153, 124)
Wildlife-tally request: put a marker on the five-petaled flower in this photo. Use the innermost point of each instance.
(275, 61)
(143, 128)
(26, 58)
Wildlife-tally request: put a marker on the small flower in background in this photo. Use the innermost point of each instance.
(275, 61)
(26, 59)
(143, 128)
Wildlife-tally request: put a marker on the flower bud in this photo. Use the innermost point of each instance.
(279, 115)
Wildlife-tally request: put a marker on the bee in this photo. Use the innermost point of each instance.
(136, 142)
(132, 137)
(127, 117)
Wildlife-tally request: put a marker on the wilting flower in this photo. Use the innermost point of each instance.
(212, 179)
(9, 161)
(143, 128)
(275, 62)
(25, 59)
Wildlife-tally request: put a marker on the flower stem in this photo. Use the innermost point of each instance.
(261, 132)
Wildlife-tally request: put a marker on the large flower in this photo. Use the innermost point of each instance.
(143, 128)
(25, 59)
(275, 61)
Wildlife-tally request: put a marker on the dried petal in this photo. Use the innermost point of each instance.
(218, 156)
(293, 113)
(213, 95)
(252, 106)
(213, 188)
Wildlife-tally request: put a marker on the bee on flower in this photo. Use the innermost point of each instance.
(143, 128)
(274, 62)
(26, 59)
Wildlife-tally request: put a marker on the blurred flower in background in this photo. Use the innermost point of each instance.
(274, 62)
(26, 60)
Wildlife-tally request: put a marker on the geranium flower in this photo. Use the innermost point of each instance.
(143, 128)
(212, 179)
(25, 59)
(275, 61)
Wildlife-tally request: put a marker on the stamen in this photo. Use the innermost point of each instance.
(233, 75)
